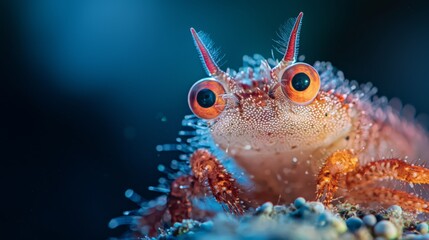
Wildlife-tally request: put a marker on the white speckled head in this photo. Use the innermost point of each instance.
(270, 109)
(261, 123)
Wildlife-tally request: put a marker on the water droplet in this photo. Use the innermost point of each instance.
(294, 159)
(129, 193)
(161, 167)
(162, 180)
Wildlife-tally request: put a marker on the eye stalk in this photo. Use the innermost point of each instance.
(300, 83)
(205, 98)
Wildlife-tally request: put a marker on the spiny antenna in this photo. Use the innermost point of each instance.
(293, 40)
(291, 50)
(210, 65)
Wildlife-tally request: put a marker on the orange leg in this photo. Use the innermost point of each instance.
(150, 221)
(385, 169)
(179, 200)
(207, 169)
(330, 176)
(359, 178)
(208, 176)
(389, 197)
(358, 181)
(178, 205)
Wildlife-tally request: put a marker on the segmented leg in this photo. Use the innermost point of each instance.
(387, 196)
(152, 220)
(179, 202)
(179, 205)
(385, 169)
(358, 180)
(336, 166)
(208, 176)
(207, 169)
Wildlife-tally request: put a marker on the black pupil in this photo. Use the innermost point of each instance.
(300, 81)
(206, 98)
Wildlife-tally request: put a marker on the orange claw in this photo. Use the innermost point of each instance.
(337, 165)
(207, 168)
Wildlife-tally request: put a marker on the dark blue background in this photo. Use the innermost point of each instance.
(90, 87)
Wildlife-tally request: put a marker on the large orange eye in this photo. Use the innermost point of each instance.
(205, 98)
(300, 83)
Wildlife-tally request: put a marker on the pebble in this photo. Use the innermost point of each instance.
(369, 220)
(395, 208)
(299, 202)
(385, 229)
(423, 228)
(416, 237)
(265, 208)
(354, 223)
(208, 225)
(278, 208)
(339, 225)
(318, 207)
(301, 213)
(324, 219)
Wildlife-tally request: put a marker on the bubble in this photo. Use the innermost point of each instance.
(161, 168)
(129, 193)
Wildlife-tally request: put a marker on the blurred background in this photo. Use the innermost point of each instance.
(90, 87)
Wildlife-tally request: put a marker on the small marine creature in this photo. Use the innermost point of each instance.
(292, 130)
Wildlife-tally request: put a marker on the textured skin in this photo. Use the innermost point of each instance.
(282, 145)
(265, 139)
(344, 144)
